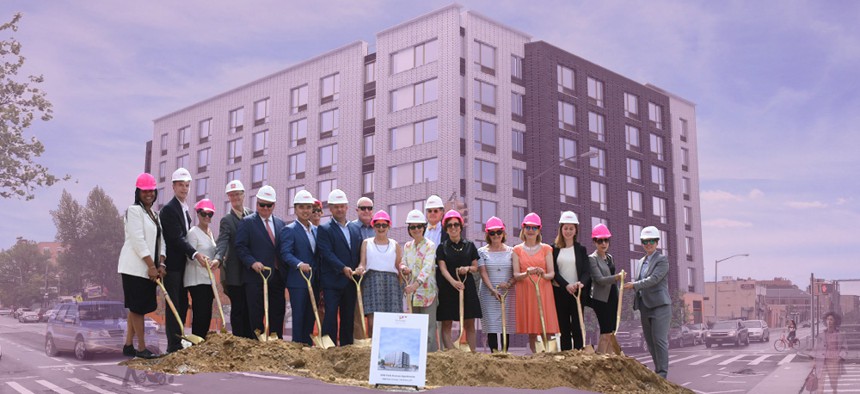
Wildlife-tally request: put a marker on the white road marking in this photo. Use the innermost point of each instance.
(91, 386)
(759, 360)
(70, 365)
(706, 375)
(19, 388)
(121, 383)
(53, 387)
(735, 358)
(704, 360)
(682, 359)
(787, 359)
(253, 375)
(686, 383)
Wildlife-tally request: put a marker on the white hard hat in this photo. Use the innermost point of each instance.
(303, 197)
(234, 186)
(266, 193)
(434, 201)
(568, 217)
(337, 196)
(650, 232)
(415, 217)
(181, 174)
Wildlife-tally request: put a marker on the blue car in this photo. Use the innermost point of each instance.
(91, 327)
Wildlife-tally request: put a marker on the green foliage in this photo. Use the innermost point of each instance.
(22, 273)
(681, 313)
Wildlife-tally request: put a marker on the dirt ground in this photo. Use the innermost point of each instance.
(349, 365)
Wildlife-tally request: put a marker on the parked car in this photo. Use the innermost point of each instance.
(48, 315)
(758, 330)
(91, 327)
(19, 311)
(727, 331)
(629, 336)
(29, 317)
(681, 337)
(5, 311)
(699, 330)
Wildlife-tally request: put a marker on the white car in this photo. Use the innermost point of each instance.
(29, 317)
(758, 330)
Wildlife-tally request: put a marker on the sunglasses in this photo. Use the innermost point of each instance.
(317, 211)
(649, 242)
(381, 225)
(205, 214)
(452, 225)
(495, 233)
(370, 208)
(601, 240)
(415, 227)
(434, 210)
(531, 228)
(265, 205)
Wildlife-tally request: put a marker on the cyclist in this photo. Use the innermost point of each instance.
(792, 332)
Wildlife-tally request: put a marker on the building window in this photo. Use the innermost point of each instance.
(329, 123)
(291, 192)
(415, 133)
(688, 218)
(261, 143)
(398, 212)
(634, 204)
(631, 106)
(486, 210)
(325, 187)
(565, 80)
(184, 138)
(367, 183)
(485, 58)
(567, 152)
(516, 67)
(686, 188)
(328, 159)
(299, 99)
(598, 195)
(595, 92)
(566, 116)
(631, 135)
(297, 166)
(201, 188)
(203, 160)
(416, 56)
(162, 171)
(485, 136)
(164, 144)
(330, 88)
(685, 159)
(658, 177)
(298, 132)
(485, 97)
(204, 130)
(367, 141)
(413, 173)
(596, 126)
(161, 197)
(261, 112)
(484, 173)
(414, 95)
(684, 129)
(370, 108)
(635, 241)
(517, 144)
(234, 175)
(596, 220)
(691, 278)
(598, 162)
(234, 151)
(568, 188)
(370, 72)
(655, 115)
(657, 146)
(634, 171)
(237, 120)
(518, 179)
(182, 161)
(688, 243)
(519, 213)
(259, 174)
(659, 209)
(516, 104)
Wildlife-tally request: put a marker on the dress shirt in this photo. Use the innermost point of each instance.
(434, 233)
(310, 231)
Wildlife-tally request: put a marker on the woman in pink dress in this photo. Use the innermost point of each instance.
(532, 257)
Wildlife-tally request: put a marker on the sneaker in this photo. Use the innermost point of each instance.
(146, 354)
(128, 351)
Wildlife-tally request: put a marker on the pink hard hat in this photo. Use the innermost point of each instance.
(205, 205)
(380, 216)
(318, 203)
(532, 219)
(452, 214)
(600, 231)
(494, 223)
(145, 181)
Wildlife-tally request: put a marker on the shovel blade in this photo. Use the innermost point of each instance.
(260, 336)
(462, 346)
(588, 349)
(608, 344)
(194, 339)
(539, 348)
(324, 341)
(362, 342)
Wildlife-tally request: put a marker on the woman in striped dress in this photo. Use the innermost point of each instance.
(497, 276)
(380, 257)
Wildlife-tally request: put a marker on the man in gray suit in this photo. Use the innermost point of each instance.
(228, 259)
(652, 299)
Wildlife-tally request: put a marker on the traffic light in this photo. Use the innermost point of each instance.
(825, 288)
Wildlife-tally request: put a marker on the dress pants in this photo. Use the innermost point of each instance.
(239, 320)
(175, 286)
(568, 319)
(607, 312)
(655, 328)
(303, 313)
(339, 302)
(277, 304)
(201, 309)
(430, 311)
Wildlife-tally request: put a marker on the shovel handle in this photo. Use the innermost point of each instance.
(265, 276)
(360, 302)
(308, 276)
(169, 302)
(503, 293)
(540, 307)
(620, 296)
(217, 298)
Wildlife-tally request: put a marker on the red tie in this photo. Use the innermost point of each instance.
(269, 229)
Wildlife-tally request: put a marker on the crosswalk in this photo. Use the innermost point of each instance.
(848, 381)
(751, 359)
(101, 384)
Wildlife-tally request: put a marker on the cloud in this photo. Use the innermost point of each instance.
(725, 223)
(805, 204)
(756, 194)
(719, 195)
(843, 200)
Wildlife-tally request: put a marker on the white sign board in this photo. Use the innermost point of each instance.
(399, 353)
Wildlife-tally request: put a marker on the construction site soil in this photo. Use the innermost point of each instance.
(349, 365)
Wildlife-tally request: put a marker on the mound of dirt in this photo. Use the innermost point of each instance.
(349, 365)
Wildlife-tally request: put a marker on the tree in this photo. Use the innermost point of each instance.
(69, 220)
(22, 269)
(103, 236)
(20, 103)
(680, 311)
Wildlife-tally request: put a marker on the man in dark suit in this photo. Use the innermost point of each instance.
(257, 243)
(339, 248)
(175, 222)
(231, 267)
(364, 210)
(652, 299)
(298, 252)
(434, 208)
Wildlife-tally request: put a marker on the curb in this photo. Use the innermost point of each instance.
(788, 378)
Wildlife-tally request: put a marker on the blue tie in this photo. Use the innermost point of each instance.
(644, 268)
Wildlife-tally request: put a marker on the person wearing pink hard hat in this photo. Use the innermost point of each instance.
(196, 277)
(496, 267)
(572, 276)
(316, 213)
(604, 291)
(379, 262)
(141, 262)
(456, 256)
(532, 257)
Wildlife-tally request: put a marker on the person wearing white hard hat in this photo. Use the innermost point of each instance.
(419, 264)
(570, 262)
(299, 252)
(231, 267)
(176, 222)
(434, 208)
(257, 244)
(339, 247)
(651, 299)
(364, 210)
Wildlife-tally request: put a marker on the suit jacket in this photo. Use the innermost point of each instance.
(141, 236)
(174, 230)
(583, 272)
(602, 277)
(356, 224)
(335, 254)
(653, 289)
(296, 248)
(225, 251)
(253, 244)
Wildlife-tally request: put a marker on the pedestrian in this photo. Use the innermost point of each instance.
(196, 278)
(419, 264)
(257, 244)
(228, 259)
(652, 300)
(455, 257)
(604, 291)
(572, 275)
(532, 257)
(830, 347)
(364, 211)
(339, 248)
(496, 266)
(298, 252)
(141, 263)
(380, 258)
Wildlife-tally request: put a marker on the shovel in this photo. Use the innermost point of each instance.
(586, 348)
(194, 339)
(407, 281)
(323, 341)
(265, 337)
(366, 341)
(458, 344)
(502, 295)
(608, 343)
(546, 346)
(217, 299)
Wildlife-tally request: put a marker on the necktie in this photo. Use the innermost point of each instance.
(187, 219)
(644, 268)
(313, 239)
(269, 229)
(431, 227)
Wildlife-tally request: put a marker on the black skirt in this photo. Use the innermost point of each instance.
(139, 294)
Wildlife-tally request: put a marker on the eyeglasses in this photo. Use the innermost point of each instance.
(381, 225)
(601, 240)
(495, 233)
(205, 214)
(452, 224)
(370, 208)
(531, 228)
(317, 211)
(415, 227)
(265, 205)
(434, 210)
(649, 241)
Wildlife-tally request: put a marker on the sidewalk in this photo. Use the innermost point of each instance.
(788, 378)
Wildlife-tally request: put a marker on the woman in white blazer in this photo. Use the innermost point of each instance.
(138, 263)
(196, 278)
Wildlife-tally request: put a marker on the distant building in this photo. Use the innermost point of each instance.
(737, 298)
(397, 360)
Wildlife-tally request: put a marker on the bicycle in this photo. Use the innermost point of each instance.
(782, 343)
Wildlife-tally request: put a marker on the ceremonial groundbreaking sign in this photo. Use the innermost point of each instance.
(399, 353)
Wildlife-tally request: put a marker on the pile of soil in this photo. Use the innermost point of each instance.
(349, 365)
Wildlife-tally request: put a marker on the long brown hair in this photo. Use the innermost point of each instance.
(559, 239)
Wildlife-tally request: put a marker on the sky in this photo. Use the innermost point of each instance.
(774, 83)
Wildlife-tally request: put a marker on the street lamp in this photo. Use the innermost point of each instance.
(584, 155)
(715, 278)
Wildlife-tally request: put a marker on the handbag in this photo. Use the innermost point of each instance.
(811, 382)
